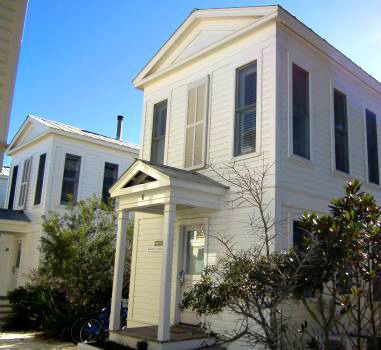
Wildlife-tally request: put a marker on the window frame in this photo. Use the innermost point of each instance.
(160, 101)
(40, 182)
(76, 181)
(195, 84)
(293, 63)
(238, 110)
(13, 184)
(339, 92)
(116, 167)
(366, 152)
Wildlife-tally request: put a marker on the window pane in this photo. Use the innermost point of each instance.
(70, 178)
(109, 178)
(13, 187)
(372, 147)
(245, 123)
(158, 132)
(298, 236)
(40, 179)
(247, 85)
(195, 252)
(300, 105)
(341, 132)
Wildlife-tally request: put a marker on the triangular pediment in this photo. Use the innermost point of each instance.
(31, 129)
(202, 31)
(140, 175)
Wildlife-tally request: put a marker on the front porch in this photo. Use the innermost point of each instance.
(181, 337)
(165, 192)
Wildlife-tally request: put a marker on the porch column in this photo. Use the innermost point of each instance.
(117, 285)
(163, 333)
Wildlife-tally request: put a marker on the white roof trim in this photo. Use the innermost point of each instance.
(266, 11)
(269, 12)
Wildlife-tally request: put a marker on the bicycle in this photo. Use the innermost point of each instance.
(95, 330)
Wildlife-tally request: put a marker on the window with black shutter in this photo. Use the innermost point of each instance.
(109, 178)
(246, 110)
(12, 191)
(341, 132)
(299, 235)
(40, 179)
(300, 112)
(372, 147)
(158, 132)
(70, 178)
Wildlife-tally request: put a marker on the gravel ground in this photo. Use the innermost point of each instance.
(31, 341)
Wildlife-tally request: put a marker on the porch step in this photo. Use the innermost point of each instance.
(5, 309)
(181, 338)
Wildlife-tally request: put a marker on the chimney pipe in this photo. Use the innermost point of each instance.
(119, 129)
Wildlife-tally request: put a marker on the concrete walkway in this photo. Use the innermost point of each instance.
(30, 341)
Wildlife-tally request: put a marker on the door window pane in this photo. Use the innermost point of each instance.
(195, 243)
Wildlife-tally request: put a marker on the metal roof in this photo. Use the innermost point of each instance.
(15, 215)
(186, 175)
(82, 132)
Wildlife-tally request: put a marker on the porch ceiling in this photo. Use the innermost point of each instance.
(147, 187)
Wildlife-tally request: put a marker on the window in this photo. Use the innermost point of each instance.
(24, 183)
(196, 125)
(341, 132)
(300, 112)
(158, 132)
(195, 243)
(40, 179)
(13, 187)
(109, 178)
(344, 281)
(70, 178)
(372, 147)
(298, 235)
(246, 110)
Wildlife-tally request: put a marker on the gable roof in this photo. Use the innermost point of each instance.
(68, 130)
(186, 175)
(260, 15)
(250, 17)
(156, 175)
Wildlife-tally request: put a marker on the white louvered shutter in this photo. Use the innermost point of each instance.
(196, 124)
(24, 183)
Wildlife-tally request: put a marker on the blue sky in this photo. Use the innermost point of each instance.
(78, 57)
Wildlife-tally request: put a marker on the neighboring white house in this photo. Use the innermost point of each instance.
(49, 161)
(12, 14)
(4, 175)
(234, 85)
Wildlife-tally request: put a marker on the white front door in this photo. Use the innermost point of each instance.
(192, 266)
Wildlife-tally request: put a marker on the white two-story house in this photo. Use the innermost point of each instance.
(234, 85)
(50, 161)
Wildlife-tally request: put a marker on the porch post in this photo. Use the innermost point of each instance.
(117, 285)
(163, 333)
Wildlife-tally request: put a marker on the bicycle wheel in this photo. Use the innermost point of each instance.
(76, 328)
(91, 331)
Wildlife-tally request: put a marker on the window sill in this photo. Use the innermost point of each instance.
(307, 163)
(372, 185)
(341, 174)
(246, 156)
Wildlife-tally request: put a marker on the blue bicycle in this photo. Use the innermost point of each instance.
(95, 330)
